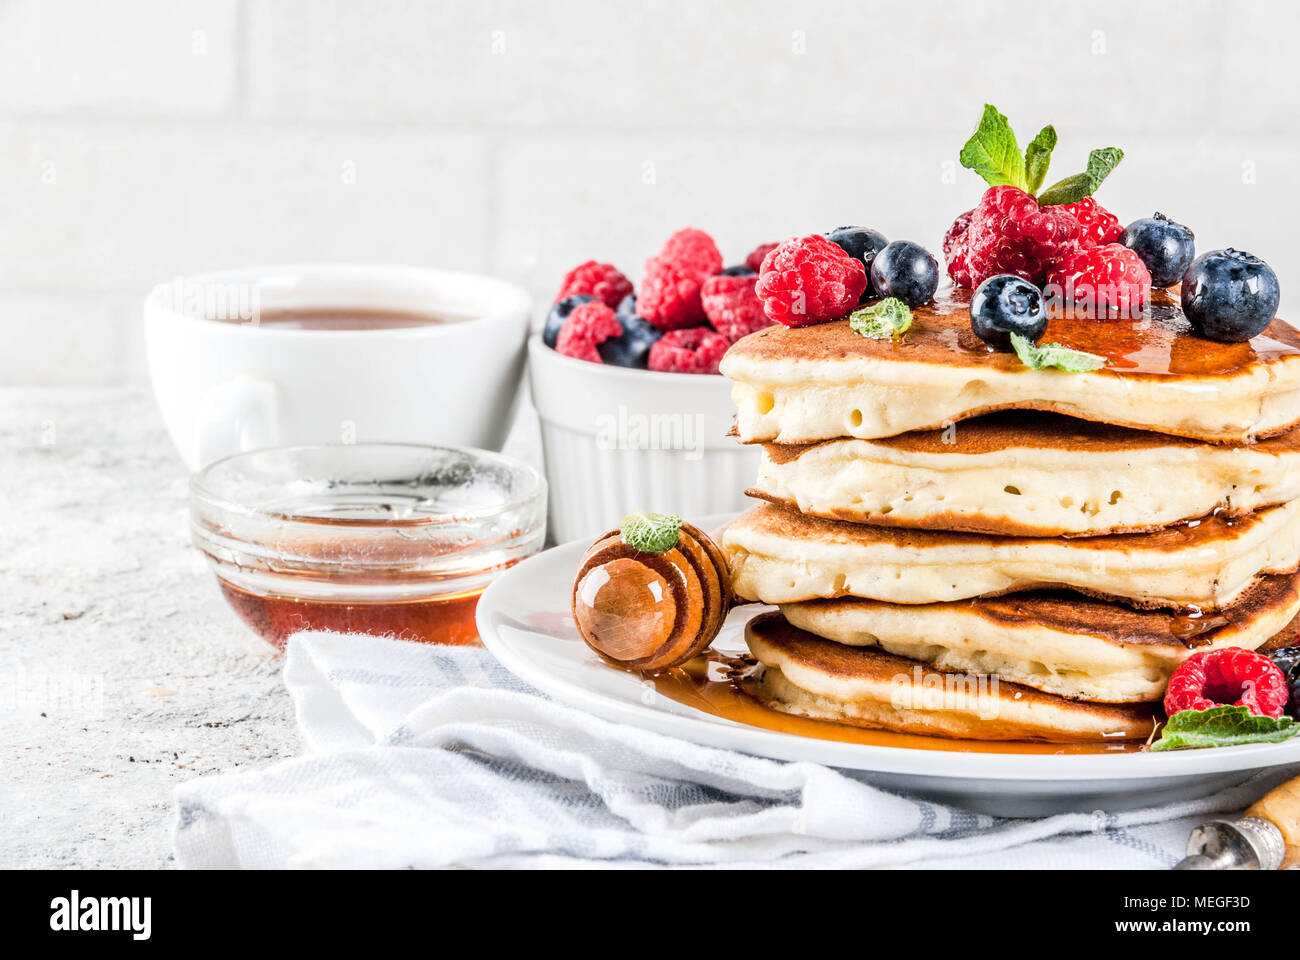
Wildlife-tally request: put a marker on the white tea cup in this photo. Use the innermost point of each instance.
(227, 382)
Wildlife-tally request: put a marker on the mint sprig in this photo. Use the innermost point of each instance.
(651, 532)
(1038, 356)
(1223, 726)
(993, 153)
(886, 320)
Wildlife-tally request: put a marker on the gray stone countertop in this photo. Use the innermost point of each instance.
(122, 671)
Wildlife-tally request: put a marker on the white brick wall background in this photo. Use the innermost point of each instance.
(146, 138)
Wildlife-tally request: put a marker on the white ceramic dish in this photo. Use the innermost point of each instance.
(524, 619)
(227, 387)
(618, 440)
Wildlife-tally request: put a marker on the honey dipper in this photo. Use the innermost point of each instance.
(651, 594)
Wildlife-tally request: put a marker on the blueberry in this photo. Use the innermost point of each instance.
(626, 308)
(1229, 295)
(739, 270)
(1293, 702)
(1166, 247)
(559, 313)
(1004, 305)
(907, 271)
(1287, 660)
(859, 243)
(631, 348)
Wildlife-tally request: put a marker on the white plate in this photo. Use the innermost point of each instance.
(524, 619)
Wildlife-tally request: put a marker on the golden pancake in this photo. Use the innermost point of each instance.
(778, 556)
(1057, 642)
(1031, 474)
(801, 385)
(811, 677)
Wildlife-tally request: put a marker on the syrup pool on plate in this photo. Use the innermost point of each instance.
(385, 539)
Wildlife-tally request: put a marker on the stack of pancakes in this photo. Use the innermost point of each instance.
(962, 545)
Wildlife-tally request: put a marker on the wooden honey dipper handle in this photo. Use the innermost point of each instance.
(1281, 807)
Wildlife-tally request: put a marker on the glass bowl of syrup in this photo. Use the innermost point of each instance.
(388, 539)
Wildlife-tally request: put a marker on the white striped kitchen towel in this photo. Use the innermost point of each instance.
(424, 756)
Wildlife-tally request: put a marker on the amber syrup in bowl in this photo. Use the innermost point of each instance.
(377, 538)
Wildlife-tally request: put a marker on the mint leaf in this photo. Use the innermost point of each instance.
(1037, 356)
(885, 320)
(1037, 156)
(651, 532)
(1223, 726)
(1100, 164)
(1069, 190)
(992, 151)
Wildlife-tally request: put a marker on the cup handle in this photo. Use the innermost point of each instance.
(239, 415)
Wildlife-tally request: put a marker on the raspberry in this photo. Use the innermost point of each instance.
(809, 280)
(755, 259)
(693, 350)
(670, 289)
(1010, 233)
(1099, 224)
(1229, 675)
(670, 296)
(955, 252)
(587, 326)
(1108, 278)
(732, 306)
(689, 245)
(601, 280)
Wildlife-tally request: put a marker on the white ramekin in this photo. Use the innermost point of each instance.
(618, 440)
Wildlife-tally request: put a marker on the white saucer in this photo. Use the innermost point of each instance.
(524, 619)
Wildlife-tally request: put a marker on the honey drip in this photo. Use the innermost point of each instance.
(1192, 629)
